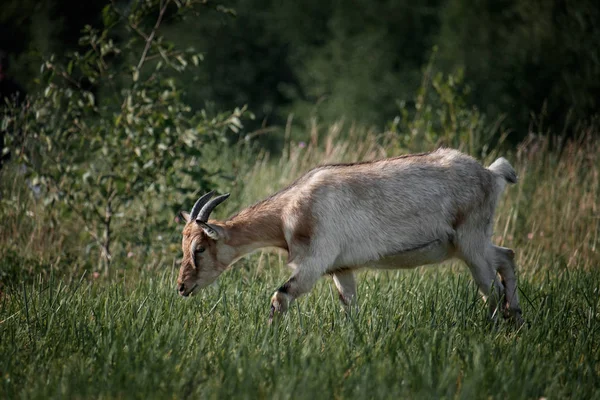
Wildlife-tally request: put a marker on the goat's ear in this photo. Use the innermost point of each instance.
(213, 231)
(184, 216)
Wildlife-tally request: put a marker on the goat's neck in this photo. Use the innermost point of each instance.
(254, 228)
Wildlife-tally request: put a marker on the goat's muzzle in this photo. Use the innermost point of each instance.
(181, 289)
(184, 289)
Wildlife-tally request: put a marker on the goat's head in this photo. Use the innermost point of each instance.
(203, 258)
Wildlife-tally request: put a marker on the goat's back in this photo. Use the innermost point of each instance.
(376, 207)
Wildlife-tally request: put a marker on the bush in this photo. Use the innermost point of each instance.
(109, 134)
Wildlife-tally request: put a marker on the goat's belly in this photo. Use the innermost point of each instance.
(431, 253)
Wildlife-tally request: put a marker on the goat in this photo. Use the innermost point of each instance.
(399, 212)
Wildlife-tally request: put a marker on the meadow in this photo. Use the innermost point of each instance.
(70, 333)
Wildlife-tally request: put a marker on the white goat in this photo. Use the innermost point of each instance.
(400, 212)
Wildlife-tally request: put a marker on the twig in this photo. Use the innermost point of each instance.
(151, 36)
(138, 31)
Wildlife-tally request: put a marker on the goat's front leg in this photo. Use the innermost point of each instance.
(346, 286)
(302, 281)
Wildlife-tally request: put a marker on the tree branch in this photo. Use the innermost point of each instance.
(150, 38)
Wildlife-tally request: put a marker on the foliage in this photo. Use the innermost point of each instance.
(354, 60)
(440, 116)
(109, 132)
(313, 59)
(524, 57)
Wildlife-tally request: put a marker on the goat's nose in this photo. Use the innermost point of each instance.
(181, 288)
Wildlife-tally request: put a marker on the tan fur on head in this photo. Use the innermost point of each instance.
(200, 265)
(225, 242)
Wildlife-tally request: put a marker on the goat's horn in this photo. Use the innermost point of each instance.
(207, 209)
(200, 203)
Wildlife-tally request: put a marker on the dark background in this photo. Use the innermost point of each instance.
(356, 59)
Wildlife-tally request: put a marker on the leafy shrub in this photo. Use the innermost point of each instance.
(108, 140)
(440, 115)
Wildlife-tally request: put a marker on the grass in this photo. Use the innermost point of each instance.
(65, 333)
(419, 334)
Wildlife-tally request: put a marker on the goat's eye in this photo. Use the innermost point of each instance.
(199, 250)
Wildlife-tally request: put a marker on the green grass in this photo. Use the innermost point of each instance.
(418, 334)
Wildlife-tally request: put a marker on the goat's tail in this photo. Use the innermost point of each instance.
(502, 169)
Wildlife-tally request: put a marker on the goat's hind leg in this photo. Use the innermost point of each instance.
(504, 258)
(481, 264)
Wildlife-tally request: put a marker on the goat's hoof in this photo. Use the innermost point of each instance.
(518, 320)
(279, 303)
(513, 315)
(271, 315)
